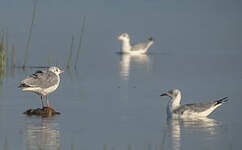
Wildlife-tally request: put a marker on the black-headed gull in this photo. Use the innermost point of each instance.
(139, 48)
(175, 109)
(42, 82)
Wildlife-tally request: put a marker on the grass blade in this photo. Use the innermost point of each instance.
(80, 41)
(30, 33)
(70, 55)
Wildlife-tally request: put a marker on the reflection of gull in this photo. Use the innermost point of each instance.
(126, 59)
(175, 133)
(42, 135)
(125, 66)
(139, 48)
(176, 128)
(175, 109)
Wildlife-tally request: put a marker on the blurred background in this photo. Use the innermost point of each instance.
(110, 101)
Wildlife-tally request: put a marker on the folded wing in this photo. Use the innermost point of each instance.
(41, 79)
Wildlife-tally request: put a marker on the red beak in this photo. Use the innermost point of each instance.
(118, 38)
(164, 94)
(61, 71)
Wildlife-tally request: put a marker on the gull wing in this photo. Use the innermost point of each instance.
(199, 107)
(139, 46)
(42, 79)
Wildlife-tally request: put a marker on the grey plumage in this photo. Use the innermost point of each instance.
(42, 79)
(199, 107)
(139, 46)
(42, 83)
(174, 107)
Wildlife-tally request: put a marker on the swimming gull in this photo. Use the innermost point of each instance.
(139, 48)
(175, 109)
(42, 82)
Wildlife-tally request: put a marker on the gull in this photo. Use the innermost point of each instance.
(140, 48)
(42, 82)
(175, 109)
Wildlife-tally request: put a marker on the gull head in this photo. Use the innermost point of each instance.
(172, 93)
(124, 37)
(56, 70)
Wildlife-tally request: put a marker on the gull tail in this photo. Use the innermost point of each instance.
(221, 101)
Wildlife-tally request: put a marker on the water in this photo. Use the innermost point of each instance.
(112, 101)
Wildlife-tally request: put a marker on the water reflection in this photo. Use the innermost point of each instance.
(176, 128)
(126, 60)
(42, 134)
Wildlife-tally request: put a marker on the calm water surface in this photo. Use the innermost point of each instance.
(111, 101)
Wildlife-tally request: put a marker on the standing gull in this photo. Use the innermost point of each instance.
(42, 82)
(175, 109)
(139, 48)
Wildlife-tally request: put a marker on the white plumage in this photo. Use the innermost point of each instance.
(139, 48)
(42, 82)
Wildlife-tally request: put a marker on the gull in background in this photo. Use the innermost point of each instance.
(140, 48)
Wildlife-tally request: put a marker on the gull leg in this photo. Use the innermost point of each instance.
(47, 102)
(42, 104)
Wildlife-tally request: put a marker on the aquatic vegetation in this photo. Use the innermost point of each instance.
(2, 55)
(5, 57)
(80, 41)
(70, 55)
(6, 49)
(30, 33)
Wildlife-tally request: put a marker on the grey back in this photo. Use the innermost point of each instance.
(42, 79)
(200, 107)
(139, 46)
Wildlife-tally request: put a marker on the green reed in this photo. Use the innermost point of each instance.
(30, 33)
(2, 52)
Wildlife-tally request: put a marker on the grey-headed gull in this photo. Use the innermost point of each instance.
(139, 48)
(42, 82)
(175, 109)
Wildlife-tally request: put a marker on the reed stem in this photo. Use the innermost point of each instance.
(30, 33)
(80, 41)
(71, 51)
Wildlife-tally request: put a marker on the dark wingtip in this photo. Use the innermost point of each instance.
(23, 85)
(222, 100)
(38, 71)
(151, 39)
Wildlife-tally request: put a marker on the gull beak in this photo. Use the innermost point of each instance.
(164, 94)
(61, 71)
(118, 38)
